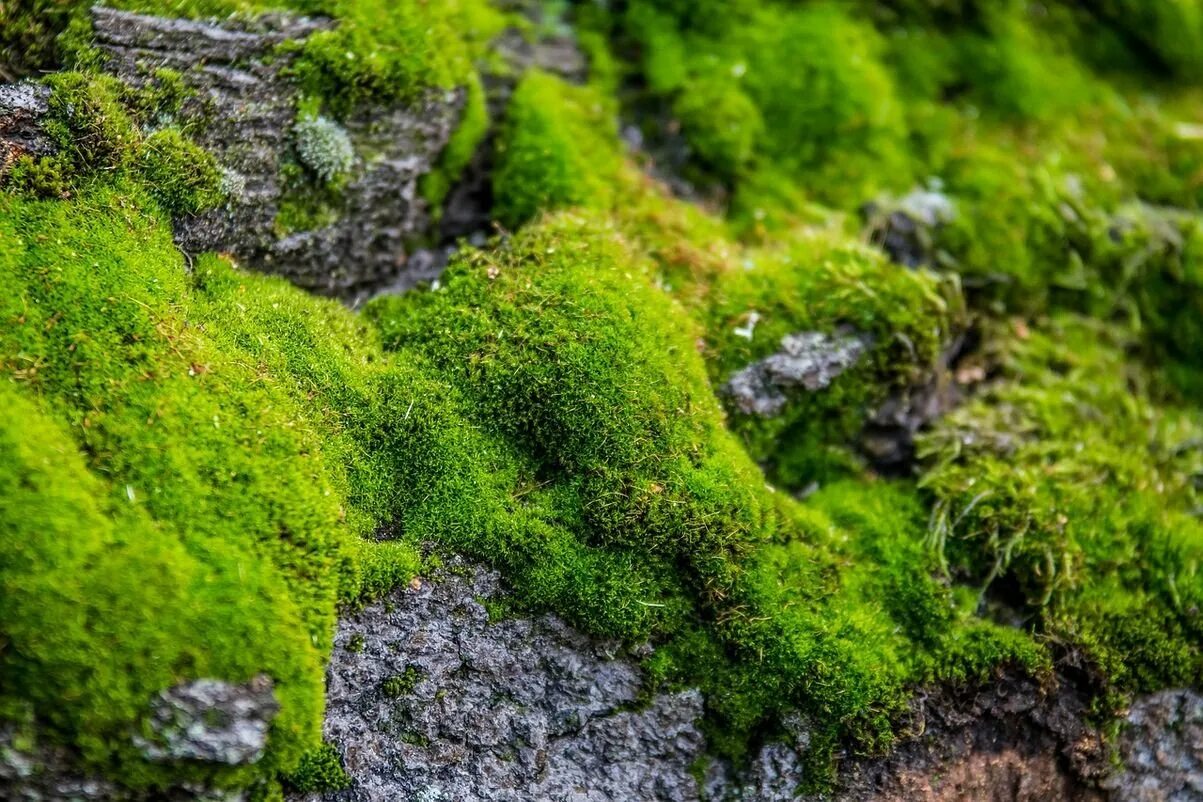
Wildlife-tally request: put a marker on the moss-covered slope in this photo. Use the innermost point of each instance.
(200, 466)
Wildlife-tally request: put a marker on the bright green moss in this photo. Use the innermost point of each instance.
(189, 449)
(723, 125)
(562, 346)
(553, 407)
(1064, 482)
(557, 147)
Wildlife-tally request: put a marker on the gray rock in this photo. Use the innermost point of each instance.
(808, 361)
(519, 709)
(22, 107)
(242, 109)
(905, 227)
(1162, 749)
(211, 720)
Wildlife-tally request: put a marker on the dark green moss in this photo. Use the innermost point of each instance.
(320, 771)
(1078, 491)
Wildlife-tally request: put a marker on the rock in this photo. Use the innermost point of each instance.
(888, 437)
(428, 699)
(22, 107)
(808, 360)
(904, 227)
(211, 720)
(1162, 749)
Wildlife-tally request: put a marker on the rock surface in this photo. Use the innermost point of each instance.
(211, 720)
(22, 106)
(247, 104)
(1162, 749)
(429, 700)
(808, 360)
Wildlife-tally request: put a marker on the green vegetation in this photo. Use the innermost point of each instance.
(1066, 484)
(557, 147)
(200, 467)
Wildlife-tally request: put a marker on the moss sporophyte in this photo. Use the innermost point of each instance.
(197, 461)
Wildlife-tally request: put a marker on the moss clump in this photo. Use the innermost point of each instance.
(320, 770)
(1066, 484)
(401, 684)
(557, 147)
(27, 35)
(188, 468)
(324, 147)
(94, 121)
(183, 177)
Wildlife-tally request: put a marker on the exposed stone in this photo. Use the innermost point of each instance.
(519, 709)
(211, 720)
(1162, 749)
(904, 227)
(808, 360)
(22, 107)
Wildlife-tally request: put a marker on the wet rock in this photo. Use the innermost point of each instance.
(212, 721)
(1162, 749)
(807, 360)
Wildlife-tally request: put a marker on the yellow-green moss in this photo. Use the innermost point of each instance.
(558, 146)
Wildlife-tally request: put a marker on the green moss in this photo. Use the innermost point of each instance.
(188, 448)
(320, 770)
(723, 125)
(221, 446)
(183, 177)
(557, 147)
(401, 684)
(1078, 491)
(27, 35)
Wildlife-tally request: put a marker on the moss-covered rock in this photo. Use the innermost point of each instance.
(200, 467)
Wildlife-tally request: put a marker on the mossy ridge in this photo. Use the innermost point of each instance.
(561, 343)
